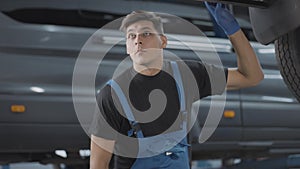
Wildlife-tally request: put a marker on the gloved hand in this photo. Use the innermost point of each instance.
(223, 17)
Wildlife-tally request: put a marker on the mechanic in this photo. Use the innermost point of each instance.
(145, 41)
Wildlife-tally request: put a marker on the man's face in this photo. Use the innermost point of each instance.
(143, 43)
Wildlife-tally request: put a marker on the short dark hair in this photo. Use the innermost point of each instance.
(136, 16)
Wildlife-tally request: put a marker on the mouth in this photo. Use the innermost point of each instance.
(140, 51)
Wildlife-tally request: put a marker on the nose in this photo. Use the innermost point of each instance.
(138, 43)
(138, 40)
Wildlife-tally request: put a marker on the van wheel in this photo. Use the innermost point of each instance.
(288, 56)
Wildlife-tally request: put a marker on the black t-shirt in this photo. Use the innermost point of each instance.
(196, 78)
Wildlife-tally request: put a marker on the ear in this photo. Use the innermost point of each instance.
(164, 41)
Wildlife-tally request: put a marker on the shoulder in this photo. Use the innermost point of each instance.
(119, 77)
(124, 76)
(107, 94)
(104, 95)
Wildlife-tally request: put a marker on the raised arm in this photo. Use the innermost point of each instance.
(101, 152)
(249, 72)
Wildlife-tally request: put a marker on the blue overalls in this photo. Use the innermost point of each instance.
(167, 150)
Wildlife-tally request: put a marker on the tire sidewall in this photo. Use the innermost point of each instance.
(288, 56)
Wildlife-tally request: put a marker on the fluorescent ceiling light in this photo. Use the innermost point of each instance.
(267, 51)
(277, 99)
(37, 89)
(218, 46)
(268, 76)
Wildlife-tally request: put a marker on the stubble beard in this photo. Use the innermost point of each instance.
(143, 60)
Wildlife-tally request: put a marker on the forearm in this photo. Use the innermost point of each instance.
(247, 62)
(98, 164)
(101, 152)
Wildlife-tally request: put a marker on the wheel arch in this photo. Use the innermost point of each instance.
(278, 19)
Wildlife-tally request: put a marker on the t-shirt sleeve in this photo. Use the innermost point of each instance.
(211, 79)
(106, 120)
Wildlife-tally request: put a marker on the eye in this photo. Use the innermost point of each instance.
(131, 36)
(147, 34)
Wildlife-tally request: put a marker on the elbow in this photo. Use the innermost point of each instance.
(262, 76)
(258, 78)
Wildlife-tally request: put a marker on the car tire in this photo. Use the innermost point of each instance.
(287, 49)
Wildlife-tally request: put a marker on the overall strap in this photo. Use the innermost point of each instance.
(135, 127)
(179, 84)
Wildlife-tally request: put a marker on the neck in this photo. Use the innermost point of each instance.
(148, 70)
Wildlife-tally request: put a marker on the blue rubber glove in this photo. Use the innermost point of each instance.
(223, 17)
